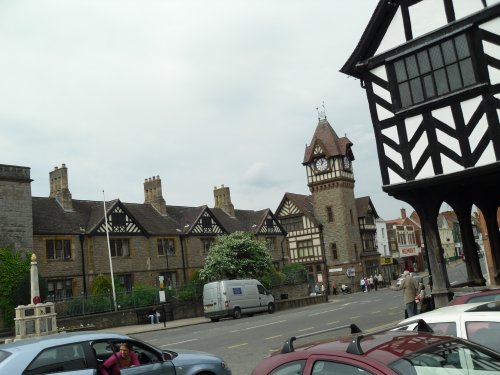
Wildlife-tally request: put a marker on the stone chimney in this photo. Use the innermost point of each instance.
(59, 187)
(222, 197)
(153, 194)
(403, 213)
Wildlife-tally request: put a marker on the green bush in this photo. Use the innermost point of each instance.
(295, 274)
(273, 279)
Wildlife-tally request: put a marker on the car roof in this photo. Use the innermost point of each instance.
(454, 311)
(463, 298)
(61, 339)
(383, 346)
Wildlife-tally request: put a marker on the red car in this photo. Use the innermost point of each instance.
(487, 295)
(382, 353)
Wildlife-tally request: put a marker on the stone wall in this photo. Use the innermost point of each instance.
(16, 216)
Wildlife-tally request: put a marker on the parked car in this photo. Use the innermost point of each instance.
(412, 274)
(81, 353)
(383, 353)
(479, 296)
(478, 322)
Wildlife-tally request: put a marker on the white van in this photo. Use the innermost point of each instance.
(227, 298)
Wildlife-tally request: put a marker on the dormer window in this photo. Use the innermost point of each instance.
(433, 72)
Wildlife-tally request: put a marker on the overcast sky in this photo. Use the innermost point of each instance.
(201, 93)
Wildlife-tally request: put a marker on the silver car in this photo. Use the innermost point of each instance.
(82, 353)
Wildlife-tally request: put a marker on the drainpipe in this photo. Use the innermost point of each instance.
(82, 238)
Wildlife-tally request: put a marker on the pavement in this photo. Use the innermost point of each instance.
(142, 328)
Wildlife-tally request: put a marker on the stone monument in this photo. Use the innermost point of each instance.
(35, 319)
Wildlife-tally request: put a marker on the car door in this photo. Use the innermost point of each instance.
(151, 359)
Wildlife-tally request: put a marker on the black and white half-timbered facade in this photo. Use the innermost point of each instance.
(325, 229)
(431, 71)
(145, 240)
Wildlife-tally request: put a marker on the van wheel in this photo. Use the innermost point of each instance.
(214, 319)
(270, 308)
(237, 313)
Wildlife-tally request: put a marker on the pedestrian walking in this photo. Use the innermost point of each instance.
(334, 288)
(410, 287)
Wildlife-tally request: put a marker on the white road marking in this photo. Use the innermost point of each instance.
(376, 312)
(272, 337)
(177, 343)
(238, 345)
(335, 322)
(305, 329)
(326, 311)
(263, 325)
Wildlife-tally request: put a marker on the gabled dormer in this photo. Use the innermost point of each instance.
(270, 225)
(327, 157)
(431, 73)
(206, 224)
(119, 220)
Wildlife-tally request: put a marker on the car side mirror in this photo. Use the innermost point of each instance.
(167, 356)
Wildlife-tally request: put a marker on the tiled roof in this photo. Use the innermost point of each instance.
(329, 140)
(50, 218)
(304, 204)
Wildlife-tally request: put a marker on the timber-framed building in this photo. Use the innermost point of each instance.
(431, 72)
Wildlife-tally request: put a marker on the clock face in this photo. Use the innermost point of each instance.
(321, 164)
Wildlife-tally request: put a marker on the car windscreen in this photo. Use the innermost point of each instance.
(485, 333)
(444, 328)
(462, 356)
(3, 355)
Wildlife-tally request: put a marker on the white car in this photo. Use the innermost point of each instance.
(415, 275)
(476, 322)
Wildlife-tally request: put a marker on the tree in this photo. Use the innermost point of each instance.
(237, 256)
(14, 267)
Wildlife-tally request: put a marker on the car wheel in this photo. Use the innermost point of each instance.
(214, 319)
(237, 313)
(270, 308)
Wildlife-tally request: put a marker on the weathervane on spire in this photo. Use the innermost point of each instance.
(321, 112)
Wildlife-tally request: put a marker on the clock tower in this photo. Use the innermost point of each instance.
(328, 161)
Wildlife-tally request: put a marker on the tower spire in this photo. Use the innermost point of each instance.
(321, 112)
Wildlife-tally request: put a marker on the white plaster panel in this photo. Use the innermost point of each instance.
(394, 178)
(411, 125)
(444, 115)
(380, 72)
(449, 166)
(382, 113)
(393, 155)
(391, 133)
(383, 93)
(494, 75)
(478, 132)
(488, 156)
(464, 8)
(469, 106)
(492, 25)
(394, 35)
(426, 16)
(419, 149)
(450, 142)
(427, 170)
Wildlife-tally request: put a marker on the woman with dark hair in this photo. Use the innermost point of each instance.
(121, 359)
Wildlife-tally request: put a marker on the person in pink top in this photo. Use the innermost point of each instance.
(123, 359)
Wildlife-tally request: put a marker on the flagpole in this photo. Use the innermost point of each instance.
(109, 251)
